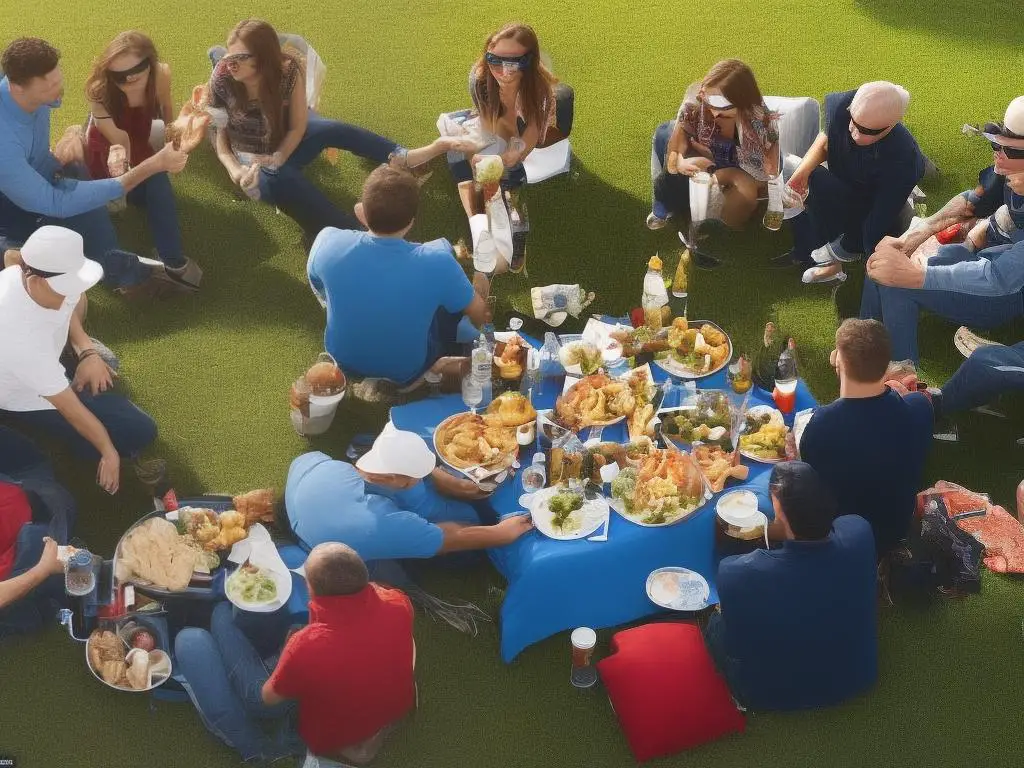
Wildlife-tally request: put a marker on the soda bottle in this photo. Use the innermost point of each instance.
(654, 296)
(550, 367)
(767, 357)
(481, 360)
(786, 378)
(520, 230)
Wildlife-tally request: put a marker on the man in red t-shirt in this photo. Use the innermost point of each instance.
(349, 672)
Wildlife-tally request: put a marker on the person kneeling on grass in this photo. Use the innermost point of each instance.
(395, 503)
(349, 672)
(393, 306)
(797, 624)
(41, 311)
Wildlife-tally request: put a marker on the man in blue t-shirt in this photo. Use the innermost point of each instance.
(393, 504)
(870, 445)
(393, 306)
(873, 164)
(796, 627)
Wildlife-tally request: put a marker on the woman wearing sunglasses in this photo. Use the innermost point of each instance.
(723, 127)
(873, 164)
(271, 134)
(127, 89)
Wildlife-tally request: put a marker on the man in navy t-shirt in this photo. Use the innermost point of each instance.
(870, 445)
(796, 629)
(393, 306)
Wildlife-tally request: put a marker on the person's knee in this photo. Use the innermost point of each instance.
(223, 616)
(140, 433)
(662, 134)
(193, 643)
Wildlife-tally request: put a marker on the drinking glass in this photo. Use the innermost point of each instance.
(472, 392)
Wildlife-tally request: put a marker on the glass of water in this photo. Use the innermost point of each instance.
(472, 392)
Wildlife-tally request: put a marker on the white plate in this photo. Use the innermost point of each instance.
(284, 591)
(671, 367)
(496, 465)
(594, 512)
(678, 589)
(759, 410)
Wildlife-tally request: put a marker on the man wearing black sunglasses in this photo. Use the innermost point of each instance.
(38, 187)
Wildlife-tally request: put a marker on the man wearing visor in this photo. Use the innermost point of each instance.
(978, 287)
(38, 318)
(36, 186)
(873, 165)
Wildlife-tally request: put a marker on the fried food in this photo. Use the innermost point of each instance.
(470, 439)
(106, 656)
(154, 552)
(511, 361)
(718, 465)
(664, 488)
(697, 350)
(511, 410)
(256, 506)
(232, 530)
(599, 399)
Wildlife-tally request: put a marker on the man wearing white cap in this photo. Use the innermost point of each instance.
(873, 165)
(39, 187)
(38, 299)
(980, 289)
(393, 504)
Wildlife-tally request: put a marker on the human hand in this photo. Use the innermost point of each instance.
(690, 165)
(71, 146)
(798, 183)
(49, 563)
(672, 162)
(249, 181)
(513, 527)
(117, 161)
(889, 266)
(171, 160)
(93, 373)
(189, 129)
(108, 473)
(467, 145)
(977, 238)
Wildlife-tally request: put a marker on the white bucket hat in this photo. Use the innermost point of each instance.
(60, 253)
(1011, 132)
(396, 452)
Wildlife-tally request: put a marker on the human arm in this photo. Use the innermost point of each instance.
(816, 155)
(458, 537)
(89, 427)
(983, 200)
(16, 588)
(453, 487)
(227, 157)
(163, 93)
(270, 696)
(167, 160)
(298, 119)
(29, 190)
(997, 271)
(105, 124)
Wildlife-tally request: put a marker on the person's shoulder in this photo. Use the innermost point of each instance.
(733, 570)
(434, 249)
(920, 408)
(838, 101)
(852, 532)
(336, 242)
(393, 599)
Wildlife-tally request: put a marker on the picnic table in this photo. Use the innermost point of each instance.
(558, 585)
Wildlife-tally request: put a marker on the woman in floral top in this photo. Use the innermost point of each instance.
(271, 134)
(723, 127)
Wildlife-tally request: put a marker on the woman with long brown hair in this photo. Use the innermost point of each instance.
(128, 88)
(271, 134)
(723, 127)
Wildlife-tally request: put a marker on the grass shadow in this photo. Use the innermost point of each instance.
(998, 22)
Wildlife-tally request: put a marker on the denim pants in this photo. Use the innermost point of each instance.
(28, 614)
(121, 269)
(899, 308)
(714, 640)
(156, 196)
(226, 673)
(670, 193)
(986, 374)
(23, 464)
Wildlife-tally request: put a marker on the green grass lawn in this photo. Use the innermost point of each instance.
(214, 369)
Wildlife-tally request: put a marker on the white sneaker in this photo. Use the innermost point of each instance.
(824, 255)
(827, 273)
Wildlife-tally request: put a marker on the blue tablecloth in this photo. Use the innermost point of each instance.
(558, 585)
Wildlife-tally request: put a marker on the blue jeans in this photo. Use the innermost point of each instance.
(670, 193)
(130, 428)
(226, 674)
(156, 196)
(121, 269)
(714, 640)
(987, 373)
(898, 308)
(28, 614)
(22, 463)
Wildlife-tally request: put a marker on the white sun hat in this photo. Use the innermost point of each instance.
(60, 253)
(396, 452)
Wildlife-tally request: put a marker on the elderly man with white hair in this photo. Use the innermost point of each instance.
(873, 165)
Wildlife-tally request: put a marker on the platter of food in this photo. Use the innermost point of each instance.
(565, 515)
(709, 418)
(763, 435)
(258, 590)
(580, 357)
(678, 589)
(695, 349)
(125, 657)
(468, 440)
(665, 488)
(599, 400)
(718, 466)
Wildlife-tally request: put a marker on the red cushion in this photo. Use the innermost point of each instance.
(15, 511)
(666, 691)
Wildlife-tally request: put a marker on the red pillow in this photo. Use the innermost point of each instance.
(666, 691)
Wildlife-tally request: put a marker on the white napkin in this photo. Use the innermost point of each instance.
(544, 162)
(259, 550)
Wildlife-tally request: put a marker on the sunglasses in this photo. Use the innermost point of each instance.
(515, 62)
(29, 271)
(1011, 153)
(237, 58)
(124, 75)
(717, 108)
(868, 131)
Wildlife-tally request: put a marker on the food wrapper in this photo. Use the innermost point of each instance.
(259, 550)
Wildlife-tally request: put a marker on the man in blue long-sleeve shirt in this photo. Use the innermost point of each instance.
(980, 290)
(873, 164)
(35, 186)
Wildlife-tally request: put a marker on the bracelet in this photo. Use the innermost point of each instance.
(87, 353)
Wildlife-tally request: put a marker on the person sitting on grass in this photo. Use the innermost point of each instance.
(349, 672)
(393, 306)
(271, 134)
(395, 503)
(41, 311)
(36, 514)
(869, 447)
(127, 89)
(873, 165)
(39, 187)
(796, 627)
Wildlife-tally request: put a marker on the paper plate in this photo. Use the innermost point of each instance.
(758, 410)
(678, 589)
(673, 368)
(739, 516)
(284, 591)
(592, 515)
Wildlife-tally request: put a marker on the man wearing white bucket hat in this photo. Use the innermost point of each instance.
(393, 504)
(38, 319)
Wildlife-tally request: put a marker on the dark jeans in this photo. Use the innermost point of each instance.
(156, 196)
(28, 614)
(120, 268)
(226, 673)
(835, 210)
(714, 639)
(986, 374)
(671, 191)
(899, 308)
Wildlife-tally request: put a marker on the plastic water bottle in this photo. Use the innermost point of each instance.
(520, 231)
(480, 361)
(786, 378)
(550, 365)
(654, 296)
